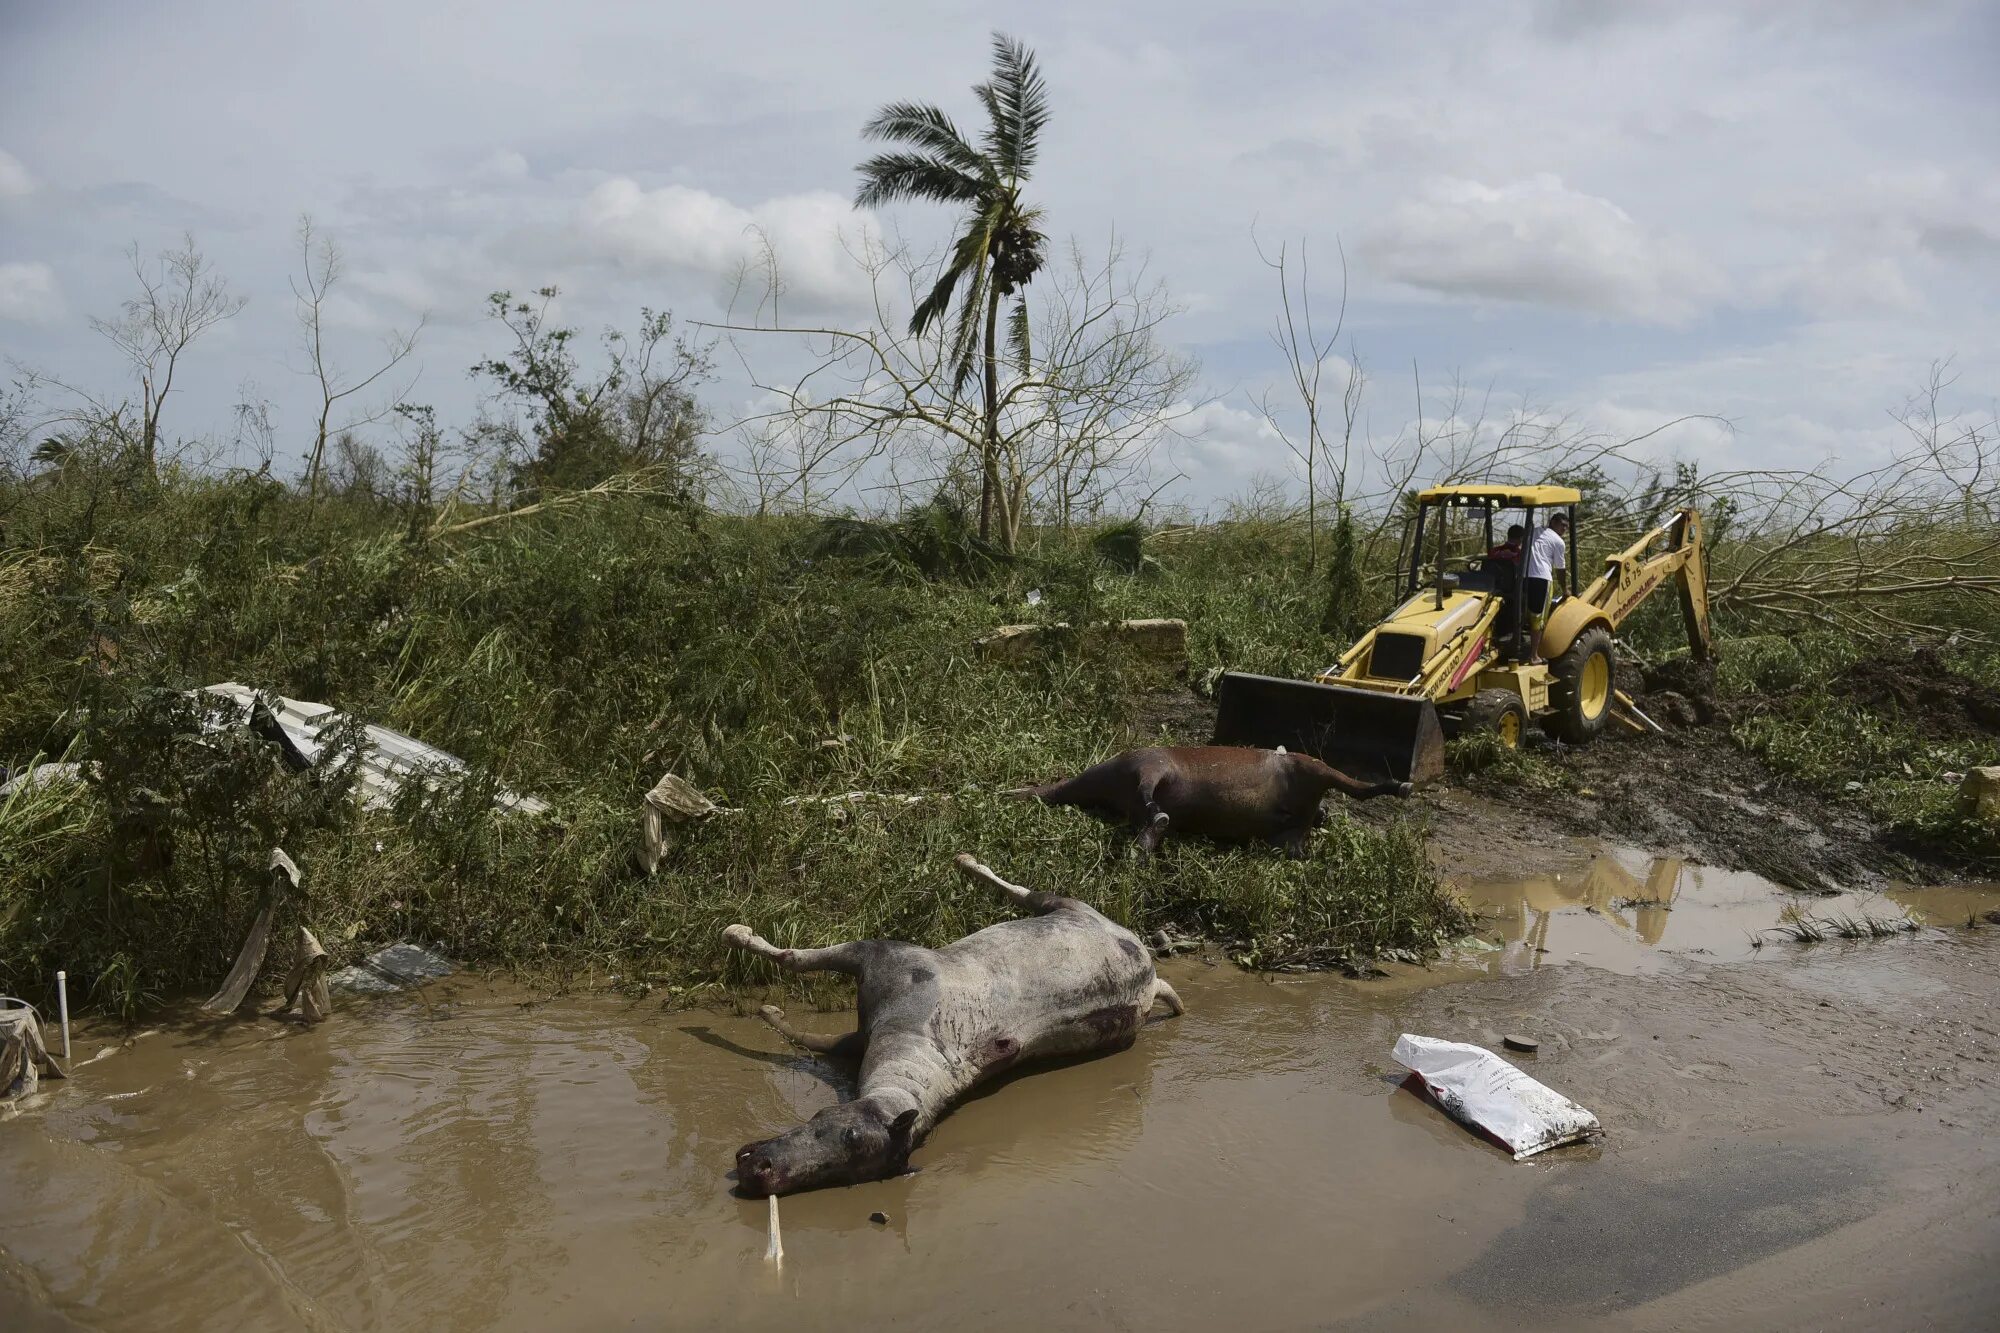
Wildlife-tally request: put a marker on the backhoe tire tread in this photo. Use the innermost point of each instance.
(1491, 711)
(1570, 720)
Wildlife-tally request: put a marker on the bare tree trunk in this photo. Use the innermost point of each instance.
(318, 459)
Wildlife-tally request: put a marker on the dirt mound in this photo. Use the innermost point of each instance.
(1695, 793)
(1678, 693)
(1923, 692)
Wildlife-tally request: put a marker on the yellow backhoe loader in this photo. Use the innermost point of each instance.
(1458, 653)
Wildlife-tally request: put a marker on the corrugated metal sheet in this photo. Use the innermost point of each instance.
(390, 760)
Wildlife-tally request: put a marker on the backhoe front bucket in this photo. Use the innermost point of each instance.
(1367, 735)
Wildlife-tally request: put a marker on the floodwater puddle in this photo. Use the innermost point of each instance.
(474, 1157)
(1636, 914)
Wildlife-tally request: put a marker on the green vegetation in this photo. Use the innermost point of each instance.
(577, 653)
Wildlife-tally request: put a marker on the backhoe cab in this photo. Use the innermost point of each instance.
(1456, 653)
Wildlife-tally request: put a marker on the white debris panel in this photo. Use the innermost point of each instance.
(390, 759)
(1479, 1088)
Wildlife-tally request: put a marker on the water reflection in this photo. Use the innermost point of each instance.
(1632, 913)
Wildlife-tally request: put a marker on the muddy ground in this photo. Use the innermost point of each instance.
(1689, 793)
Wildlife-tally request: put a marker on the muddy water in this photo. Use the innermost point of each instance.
(469, 1158)
(1636, 914)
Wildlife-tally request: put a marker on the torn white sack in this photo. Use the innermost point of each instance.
(1479, 1088)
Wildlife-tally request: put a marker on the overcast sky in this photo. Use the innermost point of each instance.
(1779, 213)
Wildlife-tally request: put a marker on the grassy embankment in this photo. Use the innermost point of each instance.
(578, 656)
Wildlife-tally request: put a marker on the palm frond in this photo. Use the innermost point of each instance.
(972, 253)
(892, 176)
(1017, 107)
(929, 128)
(965, 339)
(937, 302)
(1017, 335)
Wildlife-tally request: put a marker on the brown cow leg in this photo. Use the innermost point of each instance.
(1357, 790)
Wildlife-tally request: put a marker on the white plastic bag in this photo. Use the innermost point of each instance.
(1479, 1088)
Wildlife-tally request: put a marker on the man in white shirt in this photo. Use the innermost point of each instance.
(1548, 555)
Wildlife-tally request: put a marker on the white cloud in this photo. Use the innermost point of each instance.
(677, 226)
(1540, 242)
(502, 164)
(1663, 435)
(15, 182)
(28, 294)
(1223, 450)
(1815, 175)
(1844, 283)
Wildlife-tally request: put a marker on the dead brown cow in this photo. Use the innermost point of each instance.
(1231, 793)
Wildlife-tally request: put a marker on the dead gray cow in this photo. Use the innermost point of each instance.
(934, 1022)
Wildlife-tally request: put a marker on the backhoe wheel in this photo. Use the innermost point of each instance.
(1580, 685)
(1500, 712)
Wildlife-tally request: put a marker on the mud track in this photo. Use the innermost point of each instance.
(1691, 793)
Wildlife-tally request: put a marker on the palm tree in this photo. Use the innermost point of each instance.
(1000, 247)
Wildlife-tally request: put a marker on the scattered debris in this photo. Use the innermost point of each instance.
(386, 971)
(880, 1219)
(250, 958)
(1158, 643)
(671, 802)
(674, 802)
(36, 776)
(1479, 1089)
(390, 760)
(774, 1249)
(306, 986)
(24, 1057)
(1525, 1045)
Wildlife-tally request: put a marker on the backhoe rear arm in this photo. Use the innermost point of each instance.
(1631, 576)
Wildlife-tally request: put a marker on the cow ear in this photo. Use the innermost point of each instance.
(900, 1130)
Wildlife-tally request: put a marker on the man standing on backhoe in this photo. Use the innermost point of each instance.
(1548, 555)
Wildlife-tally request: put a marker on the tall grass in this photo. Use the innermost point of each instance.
(577, 656)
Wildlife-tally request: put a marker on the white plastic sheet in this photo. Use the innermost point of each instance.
(386, 971)
(1479, 1088)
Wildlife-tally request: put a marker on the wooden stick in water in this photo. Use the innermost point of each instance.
(775, 1251)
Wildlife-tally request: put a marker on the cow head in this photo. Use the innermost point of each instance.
(842, 1145)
